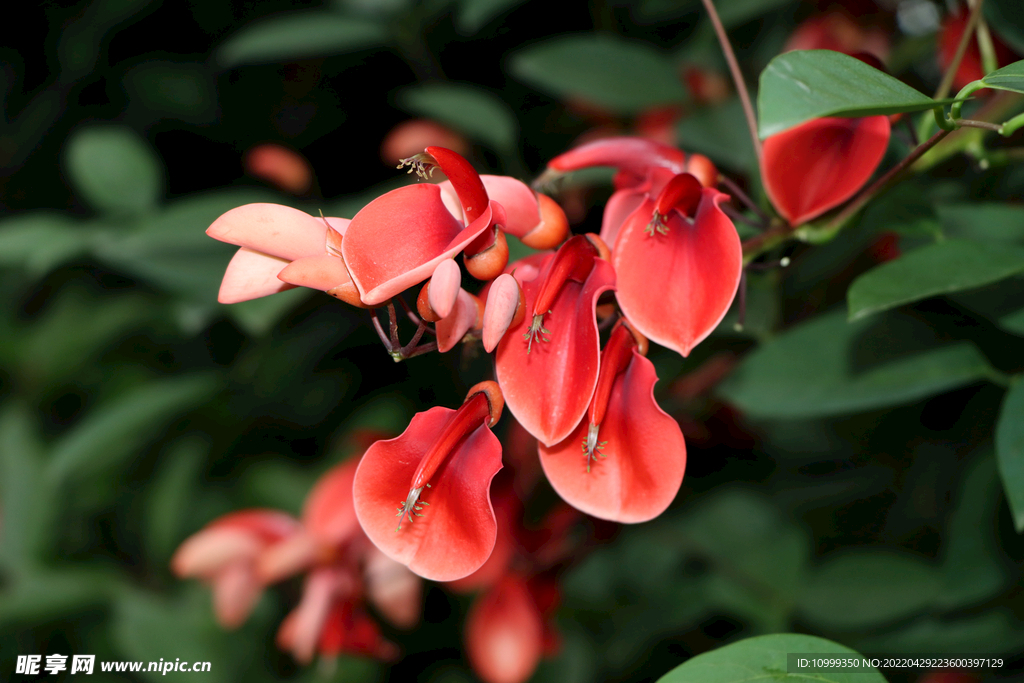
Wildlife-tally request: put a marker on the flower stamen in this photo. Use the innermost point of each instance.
(591, 446)
(421, 164)
(536, 332)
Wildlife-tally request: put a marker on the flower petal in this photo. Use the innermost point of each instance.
(457, 531)
(321, 272)
(631, 154)
(643, 461)
(462, 319)
(328, 513)
(675, 288)
(818, 165)
(272, 229)
(250, 275)
(548, 385)
(505, 633)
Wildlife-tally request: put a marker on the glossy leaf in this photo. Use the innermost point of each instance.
(299, 35)
(862, 588)
(808, 372)
(468, 109)
(111, 433)
(712, 131)
(624, 76)
(766, 657)
(807, 84)
(114, 169)
(941, 268)
(1010, 450)
(1008, 78)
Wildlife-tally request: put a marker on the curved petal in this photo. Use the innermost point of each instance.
(445, 286)
(395, 591)
(503, 300)
(631, 154)
(276, 230)
(328, 513)
(250, 275)
(236, 591)
(818, 165)
(548, 385)
(675, 288)
(398, 239)
(321, 272)
(457, 531)
(505, 633)
(210, 550)
(644, 455)
(620, 205)
(520, 202)
(462, 319)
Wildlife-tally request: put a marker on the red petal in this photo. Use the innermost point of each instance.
(619, 207)
(644, 457)
(328, 513)
(398, 239)
(250, 275)
(504, 633)
(520, 202)
(820, 164)
(549, 388)
(676, 288)
(635, 155)
(462, 319)
(321, 272)
(457, 531)
(272, 229)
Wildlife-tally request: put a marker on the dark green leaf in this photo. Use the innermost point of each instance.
(46, 594)
(299, 35)
(113, 432)
(467, 109)
(1004, 16)
(173, 89)
(808, 372)
(983, 221)
(940, 268)
(1013, 322)
(973, 564)
(38, 242)
(28, 502)
(1008, 78)
(864, 588)
(713, 131)
(624, 76)
(996, 631)
(472, 15)
(1010, 449)
(807, 84)
(114, 169)
(766, 658)
(169, 497)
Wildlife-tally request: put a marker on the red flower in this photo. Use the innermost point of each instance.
(818, 165)
(438, 473)
(505, 632)
(971, 68)
(547, 364)
(633, 455)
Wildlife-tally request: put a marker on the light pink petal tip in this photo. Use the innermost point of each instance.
(250, 275)
(444, 288)
(321, 272)
(502, 303)
(463, 318)
(273, 229)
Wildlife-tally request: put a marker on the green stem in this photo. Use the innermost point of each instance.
(961, 50)
(985, 45)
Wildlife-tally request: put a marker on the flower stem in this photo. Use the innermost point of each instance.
(737, 75)
(961, 49)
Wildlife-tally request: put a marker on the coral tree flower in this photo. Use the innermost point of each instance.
(818, 165)
(438, 473)
(626, 458)
(678, 262)
(397, 240)
(225, 554)
(547, 364)
(505, 632)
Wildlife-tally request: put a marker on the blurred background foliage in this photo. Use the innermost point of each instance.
(842, 483)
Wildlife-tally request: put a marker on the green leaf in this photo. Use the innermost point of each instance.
(44, 595)
(996, 631)
(113, 432)
(1008, 78)
(808, 372)
(473, 15)
(169, 497)
(258, 316)
(38, 242)
(299, 35)
(621, 75)
(941, 268)
(173, 89)
(1010, 450)
(468, 109)
(807, 84)
(1005, 16)
(766, 658)
(1013, 322)
(712, 131)
(28, 503)
(114, 169)
(973, 566)
(998, 222)
(865, 588)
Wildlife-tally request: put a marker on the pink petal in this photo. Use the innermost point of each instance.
(321, 272)
(272, 229)
(549, 388)
(644, 457)
(457, 531)
(300, 631)
(620, 205)
(445, 285)
(328, 513)
(676, 288)
(818, 165)
(236, 590)
(461, 320)
(504, 633)
(502, 303)
(521, 211)
(395, 591)
(289, 557)
(634, 155)
(398, 239)
(250, 275)
(209, 551)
